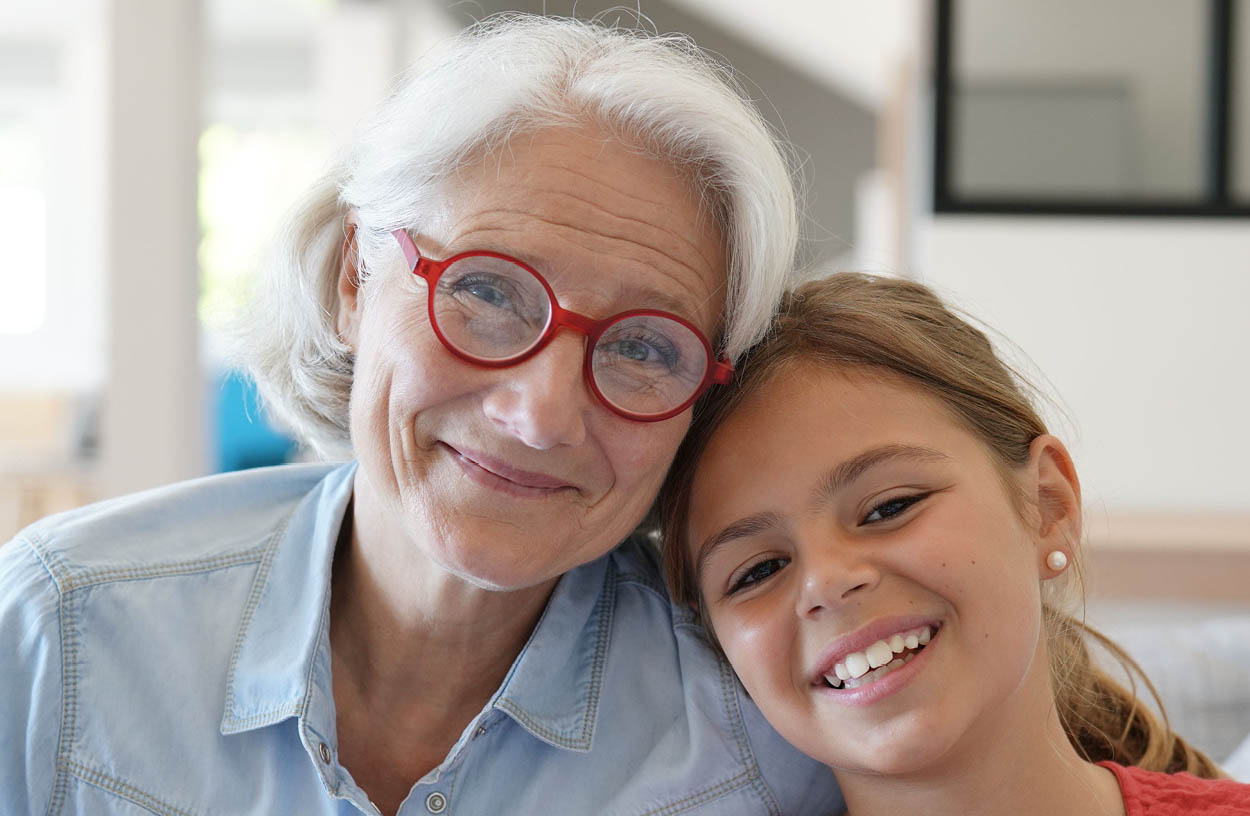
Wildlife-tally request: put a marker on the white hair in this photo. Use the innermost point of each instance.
(507, 75)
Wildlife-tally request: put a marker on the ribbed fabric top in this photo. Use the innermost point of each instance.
(1151, 793)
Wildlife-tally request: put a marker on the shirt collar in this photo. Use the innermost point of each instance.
(552, 690)
(287, 612)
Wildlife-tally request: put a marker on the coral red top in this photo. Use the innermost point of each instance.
(1150, 793)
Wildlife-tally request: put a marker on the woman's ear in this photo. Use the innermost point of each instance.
(1056, 492)
(350, 302)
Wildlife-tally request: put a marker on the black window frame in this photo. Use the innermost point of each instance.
(1216, 199)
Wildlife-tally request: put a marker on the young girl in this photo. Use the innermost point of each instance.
(879, 532)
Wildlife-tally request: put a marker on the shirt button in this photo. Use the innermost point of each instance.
(481, 729)
(436, 802)
(325, 752)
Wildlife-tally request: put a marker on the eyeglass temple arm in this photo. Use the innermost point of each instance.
(722, 371)
(409, 248)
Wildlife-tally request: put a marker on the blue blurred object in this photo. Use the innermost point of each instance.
(245, 439)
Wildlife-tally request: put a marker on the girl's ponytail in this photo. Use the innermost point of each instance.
(1104, 719)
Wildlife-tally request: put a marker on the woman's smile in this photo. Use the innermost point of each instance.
(498, 475)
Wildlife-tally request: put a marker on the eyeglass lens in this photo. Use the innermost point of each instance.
(492, 309)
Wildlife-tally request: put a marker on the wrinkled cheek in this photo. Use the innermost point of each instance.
(639, 463)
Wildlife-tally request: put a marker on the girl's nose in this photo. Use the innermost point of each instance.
(833, 573)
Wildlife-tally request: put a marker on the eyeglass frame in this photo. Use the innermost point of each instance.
(719, 371)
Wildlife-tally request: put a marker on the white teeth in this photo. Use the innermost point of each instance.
(879, 658)
(875, 675)
(836, 682)
(879, 654)
(857, 664)
(896, 663)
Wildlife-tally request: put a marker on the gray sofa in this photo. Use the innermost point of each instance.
(1199, 660)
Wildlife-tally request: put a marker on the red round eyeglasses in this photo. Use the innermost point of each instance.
(492, 310)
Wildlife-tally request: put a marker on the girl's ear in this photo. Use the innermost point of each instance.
(1056, 492)
(350, 302)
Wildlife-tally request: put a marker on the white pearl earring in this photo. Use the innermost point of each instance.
(1057, 560)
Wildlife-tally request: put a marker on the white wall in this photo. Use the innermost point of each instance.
(1143, 329)
(852, 46)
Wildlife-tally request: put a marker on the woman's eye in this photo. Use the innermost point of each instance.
(635, 350)
(891, 508)
(651, 350)
(492, 295)
(477, 289)
(756, 573)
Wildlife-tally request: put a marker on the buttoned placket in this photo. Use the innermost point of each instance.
(436, 792)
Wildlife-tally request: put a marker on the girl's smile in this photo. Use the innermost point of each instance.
(878, 590)
(859, 677)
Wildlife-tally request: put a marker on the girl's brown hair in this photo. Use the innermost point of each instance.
(902, 327)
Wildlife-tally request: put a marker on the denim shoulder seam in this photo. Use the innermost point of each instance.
(643, 580)
(729, 690)
(168, 569)
(109, 784)
(68, 579)
(69, 701)
(55, 570)
(54, 566)
(702, 797)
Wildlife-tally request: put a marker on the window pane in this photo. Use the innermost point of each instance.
(1067, 99)
(1241, 103)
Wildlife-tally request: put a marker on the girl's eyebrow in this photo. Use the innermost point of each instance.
(835, 480)
(745, 527)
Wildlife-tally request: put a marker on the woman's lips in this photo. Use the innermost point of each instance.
(498, 475)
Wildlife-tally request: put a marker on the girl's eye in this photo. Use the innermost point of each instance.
(757, 572)
(891, 508)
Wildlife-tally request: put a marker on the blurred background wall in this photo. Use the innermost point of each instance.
(147, 147)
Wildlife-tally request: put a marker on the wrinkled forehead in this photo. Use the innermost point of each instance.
(588, 213)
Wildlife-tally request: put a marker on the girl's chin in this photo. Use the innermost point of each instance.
(895, 755)
(902, 763)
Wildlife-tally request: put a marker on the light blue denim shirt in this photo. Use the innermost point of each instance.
(169, 653)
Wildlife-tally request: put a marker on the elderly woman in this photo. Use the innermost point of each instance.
(502, 304)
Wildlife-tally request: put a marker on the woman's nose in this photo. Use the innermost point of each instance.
(834, 573)
(543, 401)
